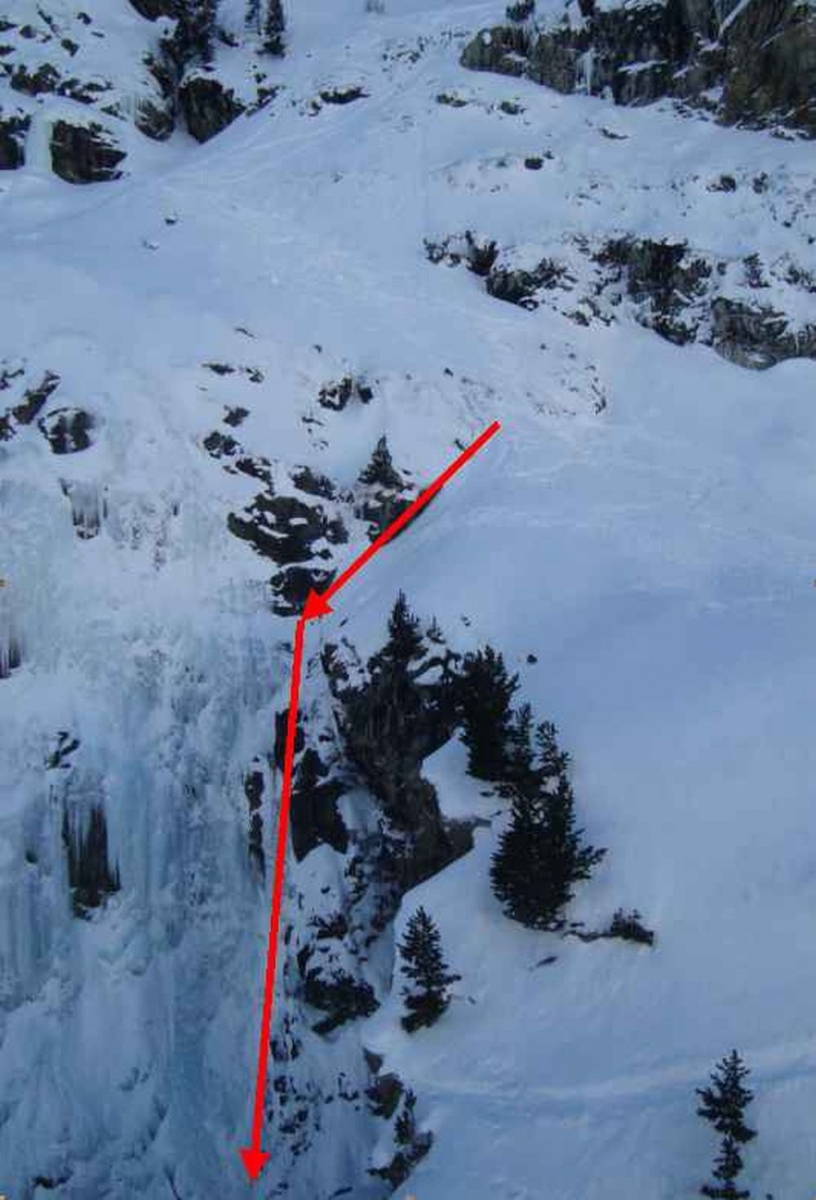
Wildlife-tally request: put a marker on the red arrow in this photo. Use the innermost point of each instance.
(317, 605)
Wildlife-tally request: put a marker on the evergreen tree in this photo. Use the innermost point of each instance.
(486, 688)
(519, 752)
(541, 855)
(253, 15)
(381, 471)
(274, 25)
(405, 642)
(427, 996)
(723, 1106)
(552, 761)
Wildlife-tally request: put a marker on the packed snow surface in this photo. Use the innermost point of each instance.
(656, 555)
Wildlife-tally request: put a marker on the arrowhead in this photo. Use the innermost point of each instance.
(254, 1161)
(316, 606)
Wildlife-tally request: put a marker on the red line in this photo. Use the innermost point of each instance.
(253, 1157)
(277, 892)
(412, 509)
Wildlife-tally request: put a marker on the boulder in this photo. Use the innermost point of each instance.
(207, 106)
(84, 153)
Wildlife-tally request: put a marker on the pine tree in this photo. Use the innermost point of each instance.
(274, 25)
(427, 996)
(253, 15)
(486, 689)
(723, 1106)
(541, 855)
(405, 642)
(552, 761)
(381, 470)
(391, 667)
(519, 751)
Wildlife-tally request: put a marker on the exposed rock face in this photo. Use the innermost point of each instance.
(67, 430)
(411, 1146)
(390, 725)
(770, 53)
(29, 406)
(33, 83)
(208, 106)
(758, 337)
(13, 130)
(285, 529)
(151, 9)
(336, 395)
(291, 588)
(765, 57)
(297, 536)
(84, 153)
(337, 993)
(661, 275)
(315, 819)
(34, 398)
(682, 295)
(156, 117)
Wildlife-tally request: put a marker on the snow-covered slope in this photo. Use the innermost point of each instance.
(643, 526)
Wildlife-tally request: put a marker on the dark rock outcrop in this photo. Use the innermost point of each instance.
(315, 818)
(770, 65)
(292, 585)
(313, 483)
(660, 275)
(285, 529)
(390, 725)
(336, 395)
(763, 55)
(344, 95)
(34, 399)
(66, 745)
(13, 130)
(757, 336)
(67, 430)
(151, 9)
(156, 117)
(84, 153)
(410, 1146)
(208, 106)
(44, 79)
(682, 296)
(337, 993)
(90, 875)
